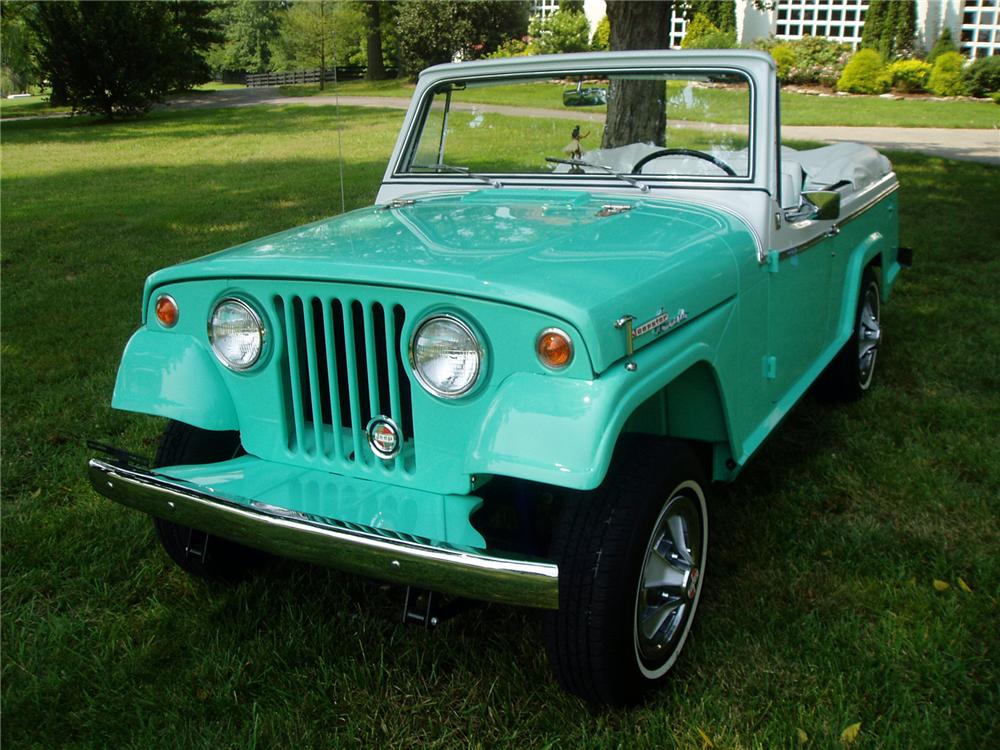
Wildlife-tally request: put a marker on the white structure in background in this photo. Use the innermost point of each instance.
(974, 24)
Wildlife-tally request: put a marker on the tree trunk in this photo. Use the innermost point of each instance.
(637, 111)
(375, 70)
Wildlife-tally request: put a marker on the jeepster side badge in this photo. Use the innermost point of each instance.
(662, 323)
(383, 437)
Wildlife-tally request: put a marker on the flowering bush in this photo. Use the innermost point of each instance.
(811, 59)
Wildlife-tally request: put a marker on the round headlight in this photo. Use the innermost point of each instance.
(446, 356)
(236, 333)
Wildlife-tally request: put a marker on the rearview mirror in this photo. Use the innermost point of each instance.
(594, 96)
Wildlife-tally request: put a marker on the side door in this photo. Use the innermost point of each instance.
(800, 264)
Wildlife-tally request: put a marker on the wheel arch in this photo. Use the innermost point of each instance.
(690, 408)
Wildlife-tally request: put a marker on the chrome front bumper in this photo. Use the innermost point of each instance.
(382, 554)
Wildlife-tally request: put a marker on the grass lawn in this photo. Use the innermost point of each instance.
(820, 606)
(796, 109)
(29, 106)
(39, 105)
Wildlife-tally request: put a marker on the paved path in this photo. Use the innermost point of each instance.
(949, 143)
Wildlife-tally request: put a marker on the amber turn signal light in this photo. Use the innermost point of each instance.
(554, 348)
(166, 310)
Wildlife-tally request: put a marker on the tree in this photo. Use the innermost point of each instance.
(251, 30)
(116, 59)
(432, 32)
(637, 109)
(890, 28)
(196, 30)
(722, 13)
(563, 31)
(320, 33)
(943, 44)
(601, 39)
(375, 69)
(571, 6)
(17, 43)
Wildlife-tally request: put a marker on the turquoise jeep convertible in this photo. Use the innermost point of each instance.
(590, 285)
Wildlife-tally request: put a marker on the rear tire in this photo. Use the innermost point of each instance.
(631, 560)
(851, 373)
(200, 554)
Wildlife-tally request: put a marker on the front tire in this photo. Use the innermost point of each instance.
(631, 560)
(203, 555)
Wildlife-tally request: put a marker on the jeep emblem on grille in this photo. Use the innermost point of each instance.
(383, 437)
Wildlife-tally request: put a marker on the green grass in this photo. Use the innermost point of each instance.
(218, 86)
(29, 107)
(819, 607)
(796, 109)
(39, 104)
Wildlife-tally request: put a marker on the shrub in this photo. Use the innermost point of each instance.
(703, 34)
(563, 31)
(864, 74)
(946, 76)
(818, 60)
(511, 48)
(716, 40)
(784, 58)
(943, 44)
(983, 76)
(909, 76)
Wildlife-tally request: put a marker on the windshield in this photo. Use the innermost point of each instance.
(657, 125)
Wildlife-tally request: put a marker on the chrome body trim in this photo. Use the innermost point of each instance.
(834, 230)
(352, 547)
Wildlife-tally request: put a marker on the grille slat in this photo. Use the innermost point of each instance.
(350, 349)
(314, 395)
(292, 349)
(392, 371)
(333, 381)
(371, 361)
(341, 367)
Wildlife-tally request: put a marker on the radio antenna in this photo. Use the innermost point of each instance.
(340, 142)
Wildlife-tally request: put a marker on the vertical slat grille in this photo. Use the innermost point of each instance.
(341, 368)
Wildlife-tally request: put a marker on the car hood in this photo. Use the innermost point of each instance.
(583, 258)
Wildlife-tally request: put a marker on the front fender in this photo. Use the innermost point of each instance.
(173, 375)
(563, 431)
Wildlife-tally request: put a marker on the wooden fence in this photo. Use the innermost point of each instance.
(345, 73)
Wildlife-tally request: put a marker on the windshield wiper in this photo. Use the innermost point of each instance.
(459, 170)
(623, 177)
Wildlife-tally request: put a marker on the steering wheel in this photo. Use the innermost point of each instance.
(637, 169)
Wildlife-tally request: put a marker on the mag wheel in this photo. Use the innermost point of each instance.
(851, 373)
(200, 554)
(631, 568)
